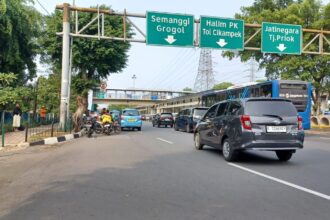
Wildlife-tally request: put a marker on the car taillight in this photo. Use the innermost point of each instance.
(246, 122)
(122, 117)
(300, 123)
(161, 118)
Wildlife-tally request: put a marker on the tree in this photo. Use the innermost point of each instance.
(19, 29)
(187, 89)
(93, 60)
(307, 67)
(11, 95)
(223, 85)
(48, 92)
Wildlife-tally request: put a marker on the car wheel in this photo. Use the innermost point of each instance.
(175, 127)
(188, 128)
(198, 144)
(139, 129)
(227, 151)
(284, 155)
(153, 125)
(158, 125)
(171, 125)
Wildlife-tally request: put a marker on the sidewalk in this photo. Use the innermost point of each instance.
(15, 138)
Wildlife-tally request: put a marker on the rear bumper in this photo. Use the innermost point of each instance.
(166, 122)
(251, 141)
(272, 145)
(125, 124)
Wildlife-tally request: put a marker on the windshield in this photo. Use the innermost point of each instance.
(199, 113)
(260, 108)
(131, 113)
(166, 115)
(297, 93)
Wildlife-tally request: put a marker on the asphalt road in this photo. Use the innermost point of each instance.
(157, 174)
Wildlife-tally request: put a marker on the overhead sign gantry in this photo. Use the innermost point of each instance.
(182, 30)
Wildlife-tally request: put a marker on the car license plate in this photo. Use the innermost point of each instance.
(131, 120)
(276, 129)
(167, 119)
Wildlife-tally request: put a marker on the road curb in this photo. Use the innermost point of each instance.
(54, 140)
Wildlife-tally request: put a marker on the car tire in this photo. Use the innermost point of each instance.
(171, 125)
(227, 151)
(284, 155)
(188, 128)
(197, 141)
(139, 129)
(153, 125)
(175, 127)
(158, 125)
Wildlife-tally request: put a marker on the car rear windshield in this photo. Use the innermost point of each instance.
(166, 115)
(131, 113)
(280, 108)
(198, 112)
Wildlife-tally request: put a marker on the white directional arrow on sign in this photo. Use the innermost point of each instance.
(222, 42)
(281, 47)
(170, 39)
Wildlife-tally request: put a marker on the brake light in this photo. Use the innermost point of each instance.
(161, 118)
(122, 117)
(246, 122)
(300, 124)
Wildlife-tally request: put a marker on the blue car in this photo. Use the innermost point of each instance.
(131, 118)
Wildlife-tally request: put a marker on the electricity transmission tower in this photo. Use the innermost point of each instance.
(205, 76)
(253, 69)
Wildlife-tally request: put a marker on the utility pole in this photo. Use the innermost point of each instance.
(134, 78)
(65, 64)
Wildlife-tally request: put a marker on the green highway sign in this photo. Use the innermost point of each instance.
(221, 33)
(281, 38)
(167, 29)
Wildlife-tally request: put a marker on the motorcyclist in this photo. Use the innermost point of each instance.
(106, 117)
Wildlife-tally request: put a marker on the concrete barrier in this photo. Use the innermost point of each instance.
(315, 121)
(325, 121)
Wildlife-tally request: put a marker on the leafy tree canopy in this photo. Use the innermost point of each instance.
(20, 26)
(187, 89)
(10, 95)
(223, 85)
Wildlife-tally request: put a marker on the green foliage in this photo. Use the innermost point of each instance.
(93, 59)
(48, 92)
(261, 80)
(187, 89)
(10, 95)
(7, 79)
(307, 67)
(19, 29)
(223, 85)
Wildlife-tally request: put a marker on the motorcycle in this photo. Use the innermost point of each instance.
(116, 127)
(89, 125)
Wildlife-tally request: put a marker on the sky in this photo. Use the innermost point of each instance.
(172, 68)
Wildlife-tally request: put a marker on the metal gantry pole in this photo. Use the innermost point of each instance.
(65, 64)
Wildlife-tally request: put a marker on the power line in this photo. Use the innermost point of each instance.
(43, 7)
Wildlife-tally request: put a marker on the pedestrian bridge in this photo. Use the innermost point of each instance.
(135, 97)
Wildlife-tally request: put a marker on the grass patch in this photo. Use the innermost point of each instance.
(46, 134)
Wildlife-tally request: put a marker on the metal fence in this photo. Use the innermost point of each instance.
(33, 128)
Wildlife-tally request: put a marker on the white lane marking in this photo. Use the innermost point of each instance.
(160, 139)
(324, 196)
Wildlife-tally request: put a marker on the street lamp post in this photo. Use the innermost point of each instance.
(134, 78)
